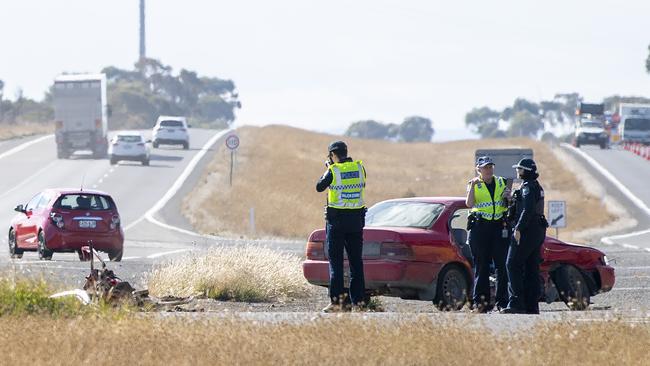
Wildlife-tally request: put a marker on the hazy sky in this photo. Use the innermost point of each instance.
(321, 65)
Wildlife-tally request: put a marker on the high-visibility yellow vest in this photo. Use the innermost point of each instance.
(347, 190)
(484, 206)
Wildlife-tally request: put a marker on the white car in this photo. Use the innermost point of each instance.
(128, 145)
(171, 130)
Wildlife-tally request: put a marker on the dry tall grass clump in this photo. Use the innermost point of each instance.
(10, 131)
(277, 169)
(342, 340)
(245, 273)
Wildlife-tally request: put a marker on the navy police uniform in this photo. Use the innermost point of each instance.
(524, 258)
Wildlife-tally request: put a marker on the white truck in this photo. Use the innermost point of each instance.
(634, 125)
(80, 114)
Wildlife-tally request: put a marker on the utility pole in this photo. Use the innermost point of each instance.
(142, 45)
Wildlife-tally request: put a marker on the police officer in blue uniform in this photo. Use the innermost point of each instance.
(345, 180)
(524, 258)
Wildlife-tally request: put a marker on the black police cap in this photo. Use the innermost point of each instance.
(337, 146)
(526, 164)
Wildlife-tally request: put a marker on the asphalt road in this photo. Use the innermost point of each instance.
(30, 165)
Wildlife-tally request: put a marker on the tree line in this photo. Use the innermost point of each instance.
(137, 97)
(526, 118)
(412, 129)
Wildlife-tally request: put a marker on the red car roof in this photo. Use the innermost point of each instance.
(444, 200)
(77, 191)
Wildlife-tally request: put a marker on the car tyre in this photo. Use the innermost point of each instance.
(603, 145)
(113, 161)
(145, 162)
(43, 252)
(452, 289)
(14, 251)
(186, 145)
(572, 287)
(115, 255)
(156, 144)
(84, 256)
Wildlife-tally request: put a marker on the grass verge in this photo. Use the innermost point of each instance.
(245, 273)
(24, 129)
(277, 168)
(31, 297)
(327, 341)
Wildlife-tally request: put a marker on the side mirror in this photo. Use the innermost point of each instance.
(148, 141)
(20, 208)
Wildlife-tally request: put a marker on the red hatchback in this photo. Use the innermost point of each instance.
(415, 248)
(64, 220)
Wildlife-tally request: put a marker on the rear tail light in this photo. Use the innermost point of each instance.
(58, 125)
(98, 123)
(115, 221)
(315, 250)
(57, 219)
(182, 129)
(396, 251)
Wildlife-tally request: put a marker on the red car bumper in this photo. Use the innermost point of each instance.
(60, 240)
(378, 273)
(607, 277)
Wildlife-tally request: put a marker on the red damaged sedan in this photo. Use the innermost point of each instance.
(415, 248)
(65, 220)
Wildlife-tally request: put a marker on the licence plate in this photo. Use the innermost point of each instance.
(170, 130)
(127, 147)
(87, 224)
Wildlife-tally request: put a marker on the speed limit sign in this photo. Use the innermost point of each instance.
(232, 142)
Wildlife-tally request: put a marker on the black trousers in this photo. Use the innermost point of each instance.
(523, 263)
(489, 246)
(345, 232)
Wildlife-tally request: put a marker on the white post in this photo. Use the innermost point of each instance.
(251, 220)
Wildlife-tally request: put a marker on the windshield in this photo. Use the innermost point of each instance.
(171, 124)
(592, 124)
(129, 138)
(83, 202)
(639, 124)
(403, 214)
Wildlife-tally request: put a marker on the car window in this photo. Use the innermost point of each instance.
(459, 219)
(31, 205)
(92, 202)
(642, 124)
(403, 214)
(45, 199)
(592, 124)
(171, 124)
(129, 138)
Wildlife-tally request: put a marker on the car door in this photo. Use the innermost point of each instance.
(25, 234)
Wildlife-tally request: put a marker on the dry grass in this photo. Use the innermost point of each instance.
(277, 169)
(8, 131)
(327, 341)
(246, 273)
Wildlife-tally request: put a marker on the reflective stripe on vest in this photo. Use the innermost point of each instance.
(347, 190)
(483, 204)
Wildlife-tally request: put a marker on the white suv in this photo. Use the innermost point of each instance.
(171, 130)
(128, 145)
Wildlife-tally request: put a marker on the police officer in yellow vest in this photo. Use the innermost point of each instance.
(345, 218)
(488, 237)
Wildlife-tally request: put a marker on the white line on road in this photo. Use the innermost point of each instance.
(130, 258)
(631, 289)
(175, 188)
(152, 256)
(609, 240)
(22, 147)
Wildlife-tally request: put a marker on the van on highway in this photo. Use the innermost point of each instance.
(634, 123)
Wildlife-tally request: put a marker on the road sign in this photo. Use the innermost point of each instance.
(232, 142)
(504, 159)
(557, 214)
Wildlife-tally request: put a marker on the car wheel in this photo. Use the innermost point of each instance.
(452, 290)
(155, 144)
(116, 255)
(603, 145)
(186, 145)
(572, 287)
(43, 252)
(14, 251)
(113, 161)
(145, 162)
